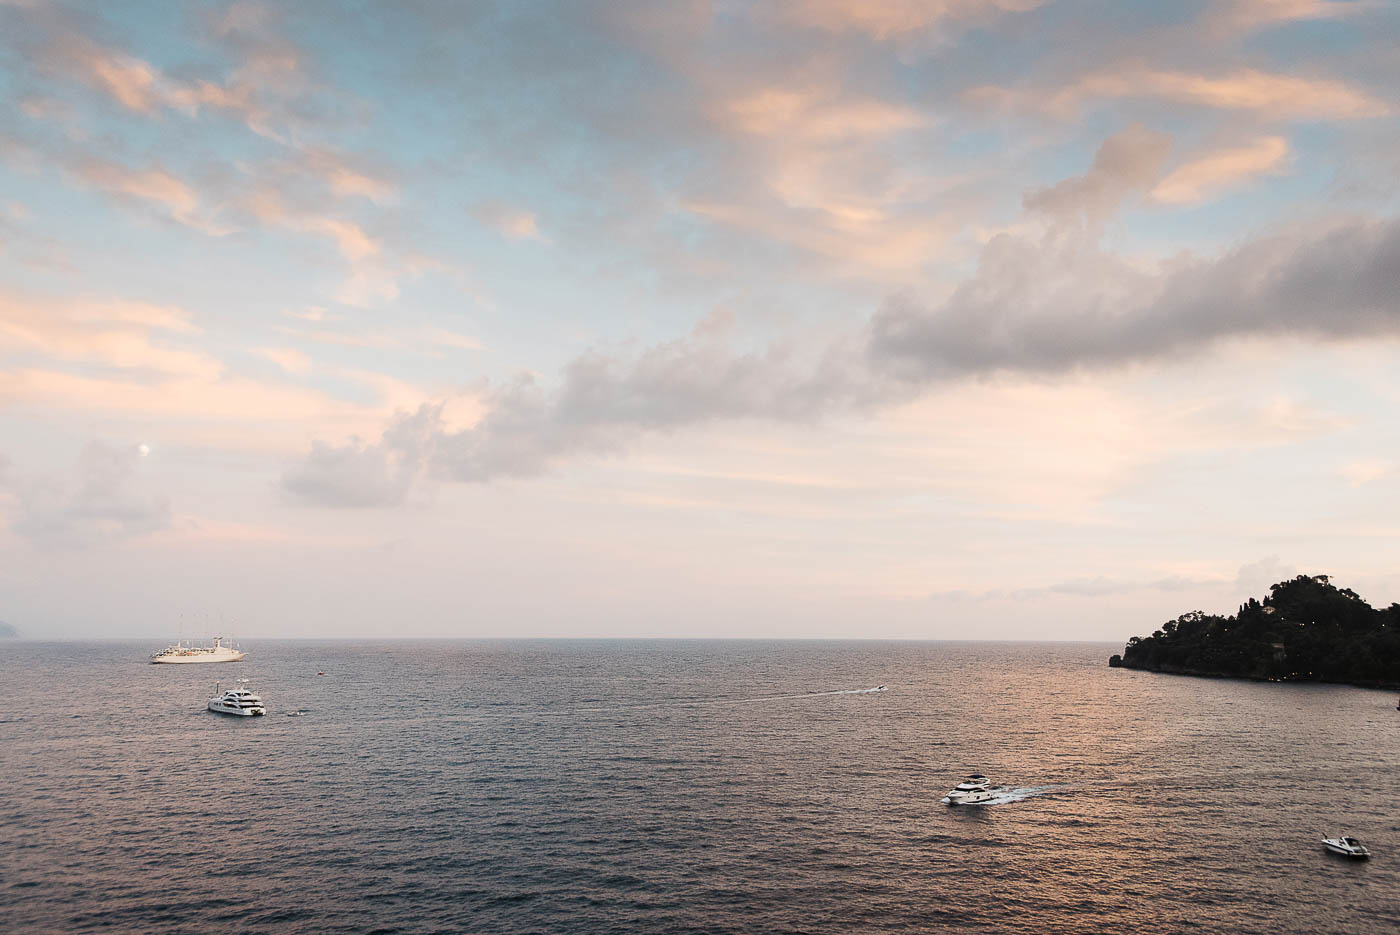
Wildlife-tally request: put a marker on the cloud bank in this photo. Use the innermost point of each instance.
(1059, 304)
(103, 498)
(1044, 306)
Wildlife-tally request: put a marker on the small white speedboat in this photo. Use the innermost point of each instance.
(238, 701)
(972, 790)
(1346, 846)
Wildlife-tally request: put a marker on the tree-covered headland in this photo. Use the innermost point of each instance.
(1305, 630)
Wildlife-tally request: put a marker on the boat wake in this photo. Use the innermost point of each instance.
(759, 699)
(1006, 795)
(723, 702)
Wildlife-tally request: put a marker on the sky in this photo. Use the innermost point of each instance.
(932, 319)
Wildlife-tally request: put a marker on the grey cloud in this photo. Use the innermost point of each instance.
(1063, 303)
(102, 499)
(1104, 587)
(369, 475)
(1097, 587)
(1255, 578)
(1047, 306)
(1126, 163)
(604, 402)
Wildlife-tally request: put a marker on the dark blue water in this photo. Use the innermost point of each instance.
(656, 786)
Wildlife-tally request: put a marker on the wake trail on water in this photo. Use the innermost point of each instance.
(721, 702)
(760, 699)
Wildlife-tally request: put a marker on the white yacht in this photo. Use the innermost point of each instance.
(238, 701)
(184, 652)
(1347, 846)
(975, 788)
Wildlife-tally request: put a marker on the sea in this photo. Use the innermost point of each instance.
(671, 786)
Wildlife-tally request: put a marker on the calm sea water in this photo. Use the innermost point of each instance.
(658, 786)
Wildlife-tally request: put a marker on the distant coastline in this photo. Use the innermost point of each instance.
(1305, 630)
(7, 632)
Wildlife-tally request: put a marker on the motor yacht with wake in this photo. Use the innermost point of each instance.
(972, 790)
(238, 701)
(184, 652)
(1346, 846)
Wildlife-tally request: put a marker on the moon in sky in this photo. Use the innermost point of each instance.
(143, 450)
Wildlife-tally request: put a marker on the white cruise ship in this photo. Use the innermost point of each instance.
(238, 701)
(184, 652)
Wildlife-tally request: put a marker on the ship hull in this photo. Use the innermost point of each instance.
(201, 657)
(237, 712)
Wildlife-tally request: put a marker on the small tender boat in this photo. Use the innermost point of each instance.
(297, 713)
(1347, 846)
(238, 701)
(972, 790)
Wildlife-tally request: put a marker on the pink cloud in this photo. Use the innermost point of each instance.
(1270, 95)
(111, 334)
(513, 223)
(152, 185)
(812, 117)
(889, 18)
(288, 358)
(1225, 168)
(1245, 15)
(349, 237)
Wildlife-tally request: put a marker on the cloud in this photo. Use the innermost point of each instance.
(1098, 587)
(1270, 95)
(313, 313)
(1126, 163)
(131, 82)
(893, 18)
(604, 403)
(509, 222)
(445, 338)
(372, 277)
(267, 88)
(344, 178)
(1046, 306)
(1213, 172)
(122, 335)
(151, 184)
(1255, 578)
(349, 237)
(289, 359)
(1246, 15)
(1062, 303)
(104, 498)
(853, 237)
(1360, 473)
(361, 475)
(818, 168)
(1248, 89)
(808, 116)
